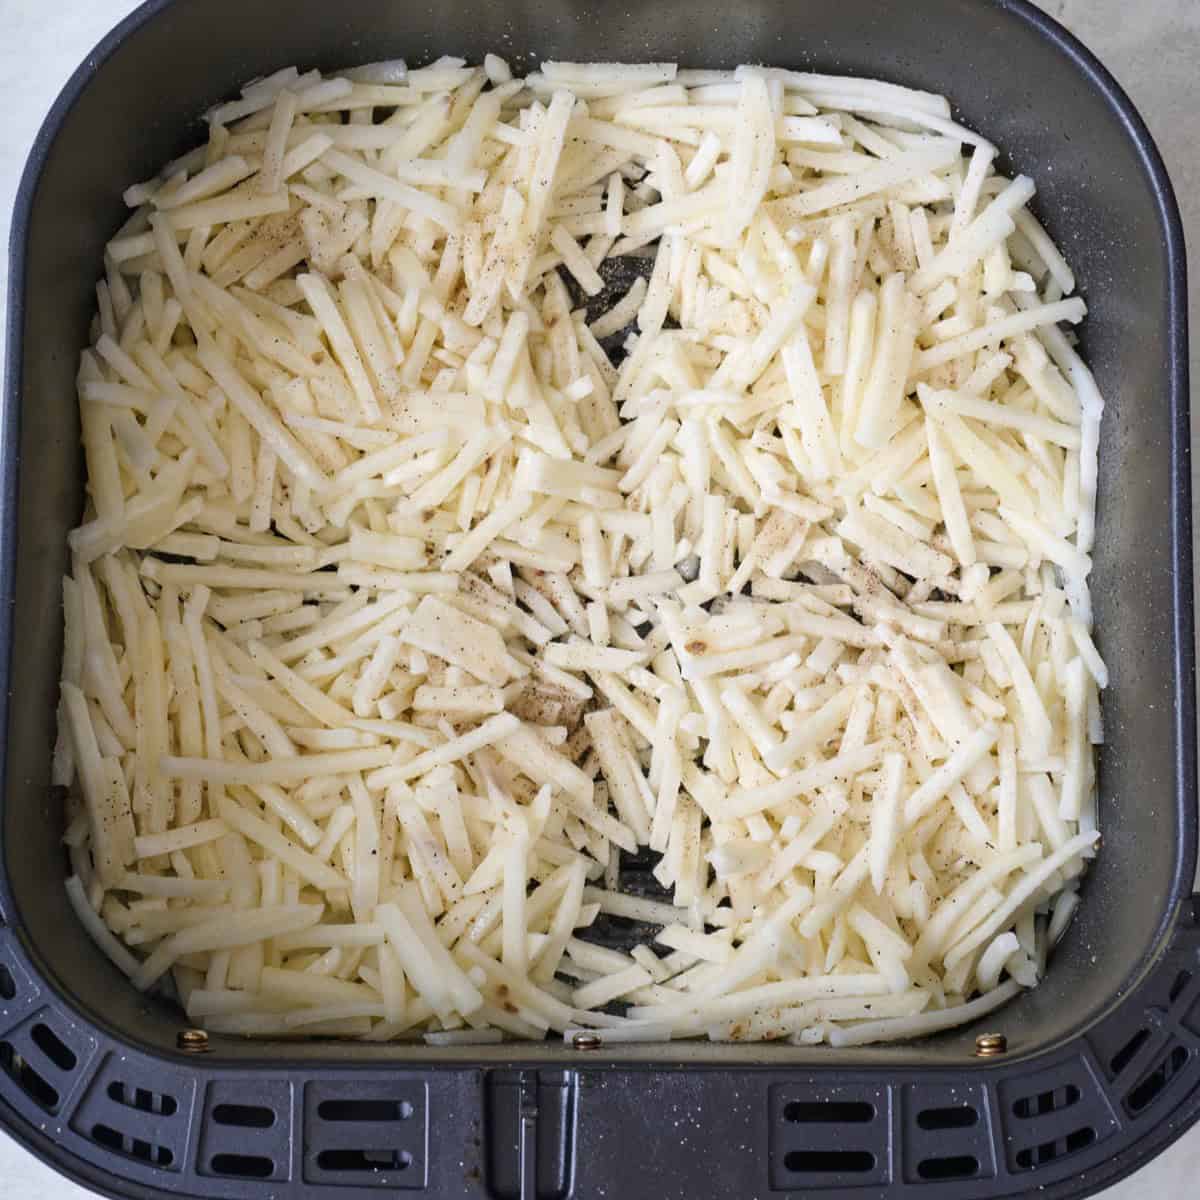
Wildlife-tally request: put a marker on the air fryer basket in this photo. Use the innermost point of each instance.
(1103, 1061)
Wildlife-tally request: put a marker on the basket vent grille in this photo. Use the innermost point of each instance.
(1128, 1052)
(244, 1116)
(1050, 1101)
(364, 1110)
(142, 1099)
(131, 1147)
(1154, 1083)
(247, 1129)
(829, 1162)
(1044, 1152)
(53, 1047)
(365, 1134)
(961, 1116)
(1179, 986)
(29, 1080)
(242, 1166)
(364, 1160)
(946, 1133)
(830, 1137)
(825, 1112)
(954, 1166)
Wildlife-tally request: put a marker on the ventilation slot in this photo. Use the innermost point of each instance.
(27, 1079)
(364, 1160)
(142, 1099)
(1037, 1156)
(131, 1147)
(955, 1117)
(53, 1047)
(828, 1112)
(831, 1137)
(372, 1134)
(1177, 988)
(8, 985)
(244, 1116)
(960, 1166)
(364, 1110)
(1125, 1055)
(246, 1130)
(1153, 1084)
(1046, 1102)
(242, 1166)
(827, 1162)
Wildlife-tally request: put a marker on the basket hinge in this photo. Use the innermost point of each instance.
(530, 1129)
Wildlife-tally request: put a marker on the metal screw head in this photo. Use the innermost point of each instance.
(988, 1045)
(193, 1041)
(586, 1041)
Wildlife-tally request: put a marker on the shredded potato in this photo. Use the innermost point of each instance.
(496, 485)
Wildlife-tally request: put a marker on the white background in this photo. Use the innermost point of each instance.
(1152, 46)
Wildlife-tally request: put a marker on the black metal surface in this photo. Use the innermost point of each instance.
(1104, 1065)
(1059, 1122)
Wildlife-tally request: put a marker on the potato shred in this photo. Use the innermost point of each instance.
(433, 573)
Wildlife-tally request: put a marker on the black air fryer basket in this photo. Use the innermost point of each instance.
(1102, 1068)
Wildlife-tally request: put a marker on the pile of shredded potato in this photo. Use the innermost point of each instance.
(430, 568)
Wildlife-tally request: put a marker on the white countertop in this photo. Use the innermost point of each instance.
(1154, 55)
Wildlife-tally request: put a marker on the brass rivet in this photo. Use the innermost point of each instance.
(193, 1041)
(988, 1045)
(587, 1041)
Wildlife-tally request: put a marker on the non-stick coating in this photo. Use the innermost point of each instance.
(1101, 194)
